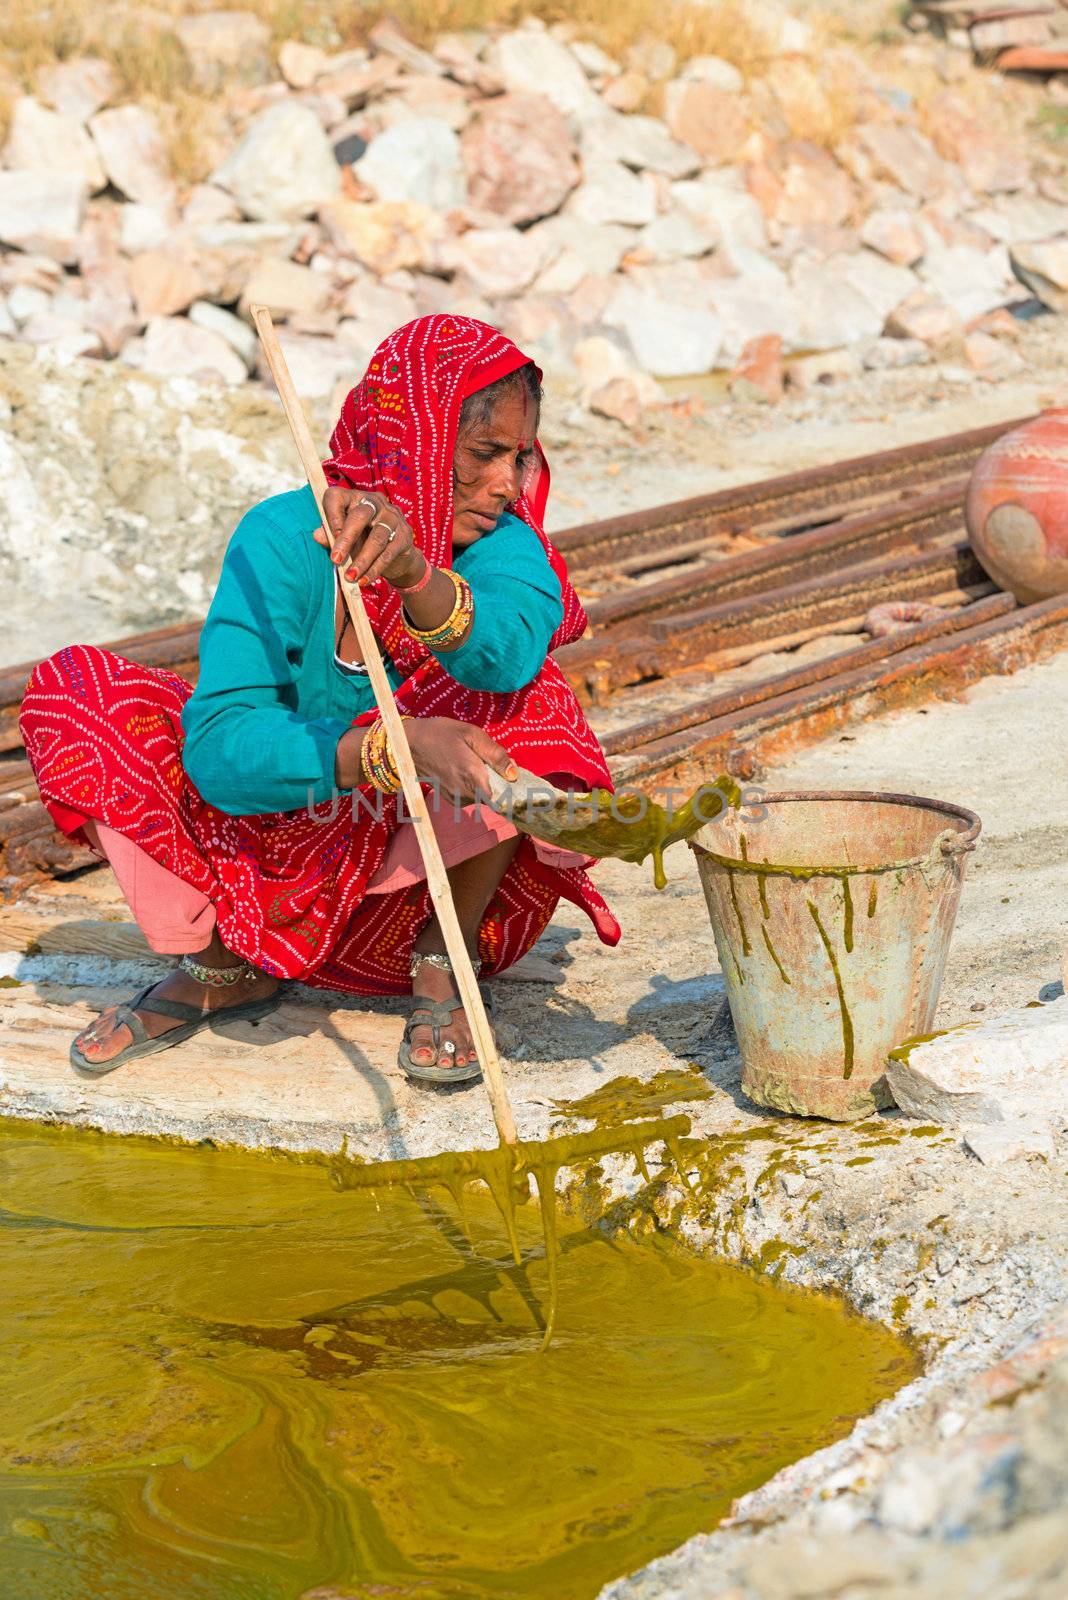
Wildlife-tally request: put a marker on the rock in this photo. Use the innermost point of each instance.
(47, 141)
(133, 154)
(225, 46)
(754, 304)
(574, 253)
(882, 354)
(806, 105)
(284, 167)
(173, 347)
(66, 336)
(598, 360)
(384, 235)
(991, 164)
(206, 204)
(714, 70)
(144, 227)
(882, 284)
(628, 92)
(996, 1142)
(529, 61)
(803, 187)
(999, 1070)
(377, 311)
(982, 352)
(163, 284)
(300, 64)
(387, 39)
(609, 193)
(970, 281)
(429, 97)
(42, 212)
(520, 158)
(642, 143)
(1042, 268)
(655, 57)
(595, 62)
(285, 288)
(317, 366)
(78, 87)
(238, 334)
(923, 317)
(823, 368)
(831, 310)
(499, 262)
(709, 120)
(908, 160)
(1021, 218)
(459, 55)
(669, 337)
(731, 214)
(894, 234)
(417, 160)
(355, 79)
(675, 236)
(758, 373)
(226, 253)
(619, 399)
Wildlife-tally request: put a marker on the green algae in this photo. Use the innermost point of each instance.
(847, 1020)
(626, 1099)
(223, 1379)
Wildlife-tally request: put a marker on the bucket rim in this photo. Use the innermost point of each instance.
(946, 844)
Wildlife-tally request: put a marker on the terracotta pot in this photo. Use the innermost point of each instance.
(1017, 508)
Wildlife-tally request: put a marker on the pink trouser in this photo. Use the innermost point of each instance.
(179, 920)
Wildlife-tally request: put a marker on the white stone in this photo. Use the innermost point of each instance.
(529, 61)
(317, 366)
(1021, 219)
(286, 288)
(144, 227)
(174, 347)
(669, 337)
(223, 45)
(642, 143)
(595, 62)
(300, 64)
(882, 283)
(47, 141)
(729, 212)
(78, 87)
(42, 213)
(748, 307)
(831, 311)
(498, 261)
(7, 322)
(417, 159)
(999, 1070)
(25, 301)
(206, 204)
(1043, 269)
(131, 147)
(970, 281)
(378, 309)
(610, 192)
(884, 353)
(284, 168)
(714, 70)
(995, 1142)
(238, 334)
(573, 254)
(676, 236)
(226, 253)
(385, 235)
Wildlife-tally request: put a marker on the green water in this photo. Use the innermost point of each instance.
(222, 1379)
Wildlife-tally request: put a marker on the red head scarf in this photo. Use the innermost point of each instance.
(397, 434)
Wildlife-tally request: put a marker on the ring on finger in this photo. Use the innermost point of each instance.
(392, 531)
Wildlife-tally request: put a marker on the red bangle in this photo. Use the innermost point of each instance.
(421, 583)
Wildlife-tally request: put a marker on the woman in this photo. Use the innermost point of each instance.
(218, 809)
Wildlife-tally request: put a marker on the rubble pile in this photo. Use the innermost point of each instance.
(796, 223)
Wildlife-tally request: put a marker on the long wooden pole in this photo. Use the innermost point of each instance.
(436, 876)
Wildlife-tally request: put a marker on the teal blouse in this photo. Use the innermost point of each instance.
(271, 703)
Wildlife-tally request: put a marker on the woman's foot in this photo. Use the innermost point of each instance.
(104, 1039)
(432, 984)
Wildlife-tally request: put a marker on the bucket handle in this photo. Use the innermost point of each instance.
(955, 843)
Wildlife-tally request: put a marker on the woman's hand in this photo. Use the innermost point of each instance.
(371, 537)
(455, 755)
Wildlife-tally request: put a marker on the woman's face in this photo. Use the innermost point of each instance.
(491, 461)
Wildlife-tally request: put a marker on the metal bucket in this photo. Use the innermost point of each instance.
(832, 914)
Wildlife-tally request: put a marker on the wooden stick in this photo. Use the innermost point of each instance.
(436, 876)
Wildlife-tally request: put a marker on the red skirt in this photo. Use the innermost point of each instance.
(104, 738)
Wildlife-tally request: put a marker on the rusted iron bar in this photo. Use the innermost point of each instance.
(914, 524)
(596, 667)
(770, 729)
(709, 708)
(853, 483)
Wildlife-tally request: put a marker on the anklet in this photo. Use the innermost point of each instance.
(217, 977)
(442, 963)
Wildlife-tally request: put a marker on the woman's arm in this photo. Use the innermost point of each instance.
(248, 750)
(517, 609)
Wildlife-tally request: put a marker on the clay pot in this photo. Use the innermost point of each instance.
(1017, 508)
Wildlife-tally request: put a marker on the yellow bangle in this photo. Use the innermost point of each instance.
(456, 623)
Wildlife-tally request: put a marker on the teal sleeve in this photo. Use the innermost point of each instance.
(248, 750)
(518, 608)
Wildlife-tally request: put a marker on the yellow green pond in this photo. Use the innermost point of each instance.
(221, 1379)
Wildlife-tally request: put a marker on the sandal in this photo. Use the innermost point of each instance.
(436, 1015)
(192, 1020)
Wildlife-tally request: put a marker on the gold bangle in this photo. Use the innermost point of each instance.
(456, 623)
